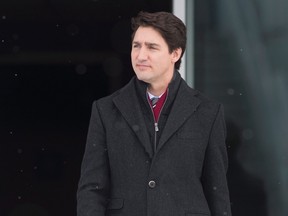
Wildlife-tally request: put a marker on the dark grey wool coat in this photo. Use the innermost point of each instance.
(128, 169)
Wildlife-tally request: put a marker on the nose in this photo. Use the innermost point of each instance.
(142, 55)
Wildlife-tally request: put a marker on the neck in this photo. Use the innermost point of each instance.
(157, 90)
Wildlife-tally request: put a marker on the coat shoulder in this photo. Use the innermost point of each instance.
(200, 95)
(207, 105)
(106, 103)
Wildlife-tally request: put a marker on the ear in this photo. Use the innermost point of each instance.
(176, 54)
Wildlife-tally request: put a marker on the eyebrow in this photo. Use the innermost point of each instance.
(147, 43)
(151, 44)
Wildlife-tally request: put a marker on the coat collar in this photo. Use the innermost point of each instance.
(184, 104)
(128, 104)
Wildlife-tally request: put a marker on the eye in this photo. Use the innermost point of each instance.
(153, 47)
(136, 46)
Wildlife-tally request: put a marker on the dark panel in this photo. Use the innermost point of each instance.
(56, 57)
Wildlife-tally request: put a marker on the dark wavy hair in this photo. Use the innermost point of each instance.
(171, 28)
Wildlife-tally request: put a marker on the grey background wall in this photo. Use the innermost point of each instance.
(241, 59)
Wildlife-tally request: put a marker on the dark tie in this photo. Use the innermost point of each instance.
(154, 101)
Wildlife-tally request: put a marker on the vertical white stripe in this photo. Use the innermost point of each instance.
(180, 11)
(190, 76)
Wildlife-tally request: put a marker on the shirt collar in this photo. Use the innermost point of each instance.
(152, 96)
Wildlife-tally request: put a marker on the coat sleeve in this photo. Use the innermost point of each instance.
(93, 187)
(215, 168)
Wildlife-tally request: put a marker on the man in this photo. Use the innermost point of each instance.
(164, 158)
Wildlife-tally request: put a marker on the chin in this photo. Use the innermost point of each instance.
(143, 78)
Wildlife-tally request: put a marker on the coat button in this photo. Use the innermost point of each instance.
(152, 184)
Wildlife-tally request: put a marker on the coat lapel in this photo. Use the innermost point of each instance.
(128, 104)
(184, 106)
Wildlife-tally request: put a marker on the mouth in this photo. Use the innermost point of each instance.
(142, 66)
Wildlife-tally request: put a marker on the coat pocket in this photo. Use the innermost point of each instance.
(115, 203)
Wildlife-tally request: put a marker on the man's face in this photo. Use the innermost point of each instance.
(150, 57)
